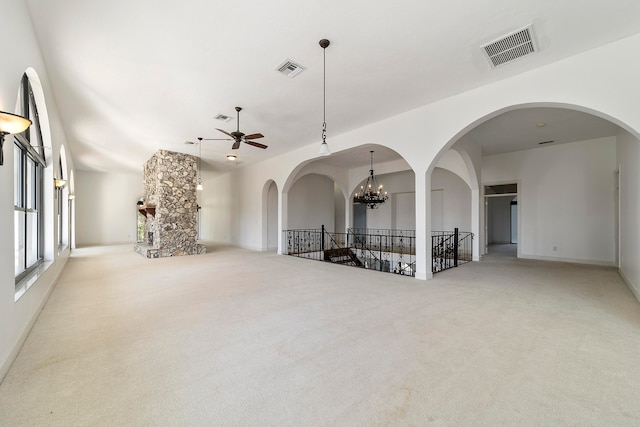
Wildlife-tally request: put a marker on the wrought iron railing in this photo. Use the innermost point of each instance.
(383, 250)
(386, 250)
(450, 249)
(382, 232)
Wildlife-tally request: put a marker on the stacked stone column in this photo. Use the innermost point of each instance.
(170, 181)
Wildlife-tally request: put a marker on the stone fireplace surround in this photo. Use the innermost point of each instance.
(170, 208)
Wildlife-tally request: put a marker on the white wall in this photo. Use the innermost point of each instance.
(339, 204)
(106, 207)
(566, 199)
(456, 200)
(628, 158)
(215, 202)
(383, 216)
(20, 53)
(311, 203)
(403, 214)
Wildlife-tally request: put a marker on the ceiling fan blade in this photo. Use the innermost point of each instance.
(236, 145)
(254, 136)
(256, 144)
(225, 132)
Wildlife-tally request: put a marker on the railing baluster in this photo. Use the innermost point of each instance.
(357, 247)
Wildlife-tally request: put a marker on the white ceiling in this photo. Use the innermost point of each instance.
(526, 128)
(133, 76)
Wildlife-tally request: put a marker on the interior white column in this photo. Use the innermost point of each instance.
(475, 222)
(423, 225)
(282, 220)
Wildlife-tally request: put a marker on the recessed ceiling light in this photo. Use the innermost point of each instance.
(232, 157)
(541, 125)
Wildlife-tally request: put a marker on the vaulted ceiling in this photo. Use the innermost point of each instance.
(133, 76)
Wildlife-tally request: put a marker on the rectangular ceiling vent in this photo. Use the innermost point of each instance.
(510, 47)
(290, 68)
(222, 117)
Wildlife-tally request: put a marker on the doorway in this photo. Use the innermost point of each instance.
(501, 219)
(359, 216)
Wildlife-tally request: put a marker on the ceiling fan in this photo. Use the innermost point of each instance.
(238, 136)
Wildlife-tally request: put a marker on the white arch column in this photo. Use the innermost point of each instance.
(475, 223)
(423, 225)
(282, 219)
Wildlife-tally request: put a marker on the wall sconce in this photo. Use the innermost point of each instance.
(59, 183)
(10, 124)
(72, 196)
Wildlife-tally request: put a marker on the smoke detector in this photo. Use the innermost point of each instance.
(290, 68)
(512, 46)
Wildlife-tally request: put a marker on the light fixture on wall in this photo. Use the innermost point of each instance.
(10, 124)
(59, 183)
(199, 186)
(72, 196)
(371, 192)
(324, 148)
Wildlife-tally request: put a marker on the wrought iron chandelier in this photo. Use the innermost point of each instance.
(371, 192)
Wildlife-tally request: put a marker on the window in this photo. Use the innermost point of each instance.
(61, 205)
(29, 164)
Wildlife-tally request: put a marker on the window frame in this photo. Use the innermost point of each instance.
(28, 154)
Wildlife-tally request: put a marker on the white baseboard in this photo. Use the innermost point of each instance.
(570, 260)
(636, 293)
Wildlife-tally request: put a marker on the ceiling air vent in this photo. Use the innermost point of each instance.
(512, 46)
(222, 117)
(290, 68)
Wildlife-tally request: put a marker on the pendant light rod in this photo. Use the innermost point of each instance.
(324, 148)
(199, 185)
(371, 170)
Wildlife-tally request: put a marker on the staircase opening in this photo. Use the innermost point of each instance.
(385, 250)
(450, 249)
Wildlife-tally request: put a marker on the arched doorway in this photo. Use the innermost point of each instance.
(563, 159)
(270, 217)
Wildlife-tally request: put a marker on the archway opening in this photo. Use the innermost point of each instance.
(563, 158)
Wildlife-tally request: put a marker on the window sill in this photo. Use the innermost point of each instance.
(31, 278)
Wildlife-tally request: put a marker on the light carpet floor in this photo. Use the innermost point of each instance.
(243, 338)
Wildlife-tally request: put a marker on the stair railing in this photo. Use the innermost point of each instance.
(448, 249)
(386, 250)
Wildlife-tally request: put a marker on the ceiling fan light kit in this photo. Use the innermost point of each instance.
(238, 137)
